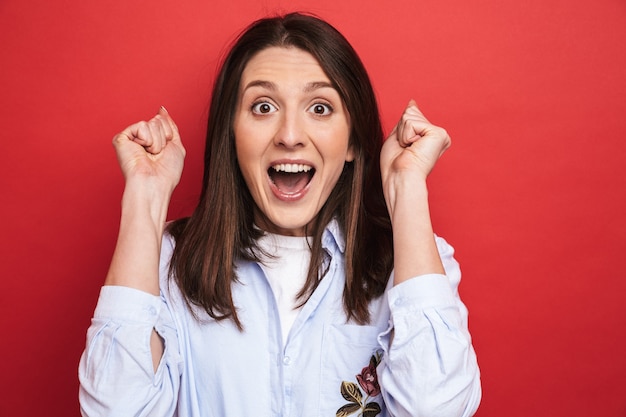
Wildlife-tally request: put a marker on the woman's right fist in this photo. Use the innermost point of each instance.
(151, 151)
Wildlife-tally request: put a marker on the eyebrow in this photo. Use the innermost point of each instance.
(317, 85)
(309, 87)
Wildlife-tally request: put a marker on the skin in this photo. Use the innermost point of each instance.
(289, 113)
(151, 157)
(407, 157)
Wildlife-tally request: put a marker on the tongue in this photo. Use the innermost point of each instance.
(290, 183)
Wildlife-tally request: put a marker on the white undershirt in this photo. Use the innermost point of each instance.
(286, 272)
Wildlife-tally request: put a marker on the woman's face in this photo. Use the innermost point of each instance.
(291, 134)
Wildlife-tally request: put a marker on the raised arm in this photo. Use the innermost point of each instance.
(407, 157)
(430, 367)
(116, 376)
(151, 157)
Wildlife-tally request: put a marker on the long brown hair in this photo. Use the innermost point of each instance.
(221, 229)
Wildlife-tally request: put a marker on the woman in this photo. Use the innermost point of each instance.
(308, 280)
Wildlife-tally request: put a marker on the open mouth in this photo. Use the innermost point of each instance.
(291, 178)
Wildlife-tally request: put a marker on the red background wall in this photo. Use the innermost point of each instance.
(531, 194)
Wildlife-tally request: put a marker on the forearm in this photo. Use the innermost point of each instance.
(406, 159)
(415, 249)
(135, 260)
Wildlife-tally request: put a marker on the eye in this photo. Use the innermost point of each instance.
(321, 109)
(263, 108)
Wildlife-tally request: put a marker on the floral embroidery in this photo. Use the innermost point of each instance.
(368, 381)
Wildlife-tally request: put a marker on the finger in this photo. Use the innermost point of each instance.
(163, 129)
(129, 143)
(167, 123)
(152, 135)
(174, 129)
(140, 133)
(413, 109)
(158, 136)
(406, 130)
(171, 125)
(414, 125)
(411, 129)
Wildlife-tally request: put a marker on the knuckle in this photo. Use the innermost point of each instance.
(117, 139)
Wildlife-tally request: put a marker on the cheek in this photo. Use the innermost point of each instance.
(249, 170)
(244, 160)
(337, 164)
(246, 149)
(340, 148)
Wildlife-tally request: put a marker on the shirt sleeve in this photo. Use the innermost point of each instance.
(429, 367)
(116, 371)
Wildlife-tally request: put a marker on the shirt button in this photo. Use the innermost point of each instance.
(286, 360)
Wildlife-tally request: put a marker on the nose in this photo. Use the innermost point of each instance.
(290, 132)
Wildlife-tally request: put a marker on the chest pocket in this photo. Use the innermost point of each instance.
(349, 381)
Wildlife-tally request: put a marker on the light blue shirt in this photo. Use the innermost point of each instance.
(327, 367)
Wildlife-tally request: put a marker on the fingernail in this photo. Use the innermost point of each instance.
(164, 109)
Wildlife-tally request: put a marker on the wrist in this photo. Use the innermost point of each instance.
(406, 195)
(146, 201)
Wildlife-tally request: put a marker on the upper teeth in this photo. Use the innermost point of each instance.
(292, 167)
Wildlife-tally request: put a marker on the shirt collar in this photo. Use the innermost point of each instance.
(332, 238)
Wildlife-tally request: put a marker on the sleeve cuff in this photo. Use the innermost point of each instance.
(422, 292)
(128, 304)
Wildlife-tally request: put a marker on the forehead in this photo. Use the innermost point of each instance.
(283, 64)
